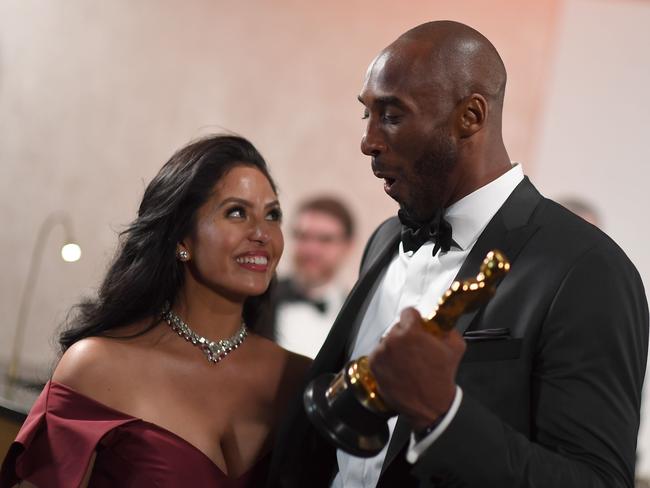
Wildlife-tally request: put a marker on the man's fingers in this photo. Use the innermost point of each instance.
(456, 341)
(410, 323)
(410, 316)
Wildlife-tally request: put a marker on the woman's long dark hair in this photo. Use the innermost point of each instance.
(145, 272)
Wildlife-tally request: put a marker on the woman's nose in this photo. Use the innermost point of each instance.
(260, 232)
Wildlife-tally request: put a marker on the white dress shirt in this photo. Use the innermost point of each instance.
(301, 328)
(419, 280)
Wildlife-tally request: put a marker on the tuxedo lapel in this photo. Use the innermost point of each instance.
(333, 354)
(398, 440)
(369, 283)
(508, 231)
(344, 330)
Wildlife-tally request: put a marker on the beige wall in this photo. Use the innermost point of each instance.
(94, 96)
(593, 139)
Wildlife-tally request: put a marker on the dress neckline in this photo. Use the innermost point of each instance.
(159, 428)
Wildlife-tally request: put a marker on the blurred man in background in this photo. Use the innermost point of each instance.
(308, 301)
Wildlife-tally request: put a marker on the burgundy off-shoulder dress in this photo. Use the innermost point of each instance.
(64, 428)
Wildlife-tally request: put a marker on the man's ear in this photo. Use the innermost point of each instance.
(473, 115)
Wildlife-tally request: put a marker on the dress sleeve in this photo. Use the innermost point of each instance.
(57, 440)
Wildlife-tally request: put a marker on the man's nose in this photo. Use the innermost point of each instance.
(372, 142)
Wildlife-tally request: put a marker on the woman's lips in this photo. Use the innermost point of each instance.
(254, 262)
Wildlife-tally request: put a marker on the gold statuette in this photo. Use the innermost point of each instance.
(347, 409)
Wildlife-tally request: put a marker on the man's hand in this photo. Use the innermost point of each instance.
(416, 371)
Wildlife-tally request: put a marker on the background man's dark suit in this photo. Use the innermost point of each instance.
(556, 404)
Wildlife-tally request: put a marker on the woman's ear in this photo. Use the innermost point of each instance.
(182, 253)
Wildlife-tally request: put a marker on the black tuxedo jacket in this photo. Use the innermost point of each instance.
(555, 404)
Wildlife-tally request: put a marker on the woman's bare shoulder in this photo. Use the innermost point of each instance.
(283, 358)
(97, 367)
(83, 359)
(93, 358)
(297, 362)
(287, 368)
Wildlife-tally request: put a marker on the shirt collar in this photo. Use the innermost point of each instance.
(472, 213)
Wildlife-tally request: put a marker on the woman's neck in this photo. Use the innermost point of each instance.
(207, 313)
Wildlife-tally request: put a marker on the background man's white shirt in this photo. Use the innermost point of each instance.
(302, 328)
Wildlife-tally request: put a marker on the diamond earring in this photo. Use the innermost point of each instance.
(183, 255)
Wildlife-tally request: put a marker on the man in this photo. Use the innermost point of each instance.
(308, 301)
(542, 386)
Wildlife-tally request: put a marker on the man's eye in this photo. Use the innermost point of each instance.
(391, 119)
(274, 215)
(365, 115)
(236, 213)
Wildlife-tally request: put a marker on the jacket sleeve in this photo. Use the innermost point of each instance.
(585, 387)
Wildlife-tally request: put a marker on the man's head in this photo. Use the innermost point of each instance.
(433, 102)
(323, 231)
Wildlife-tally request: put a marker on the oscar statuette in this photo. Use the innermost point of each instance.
(347, 409)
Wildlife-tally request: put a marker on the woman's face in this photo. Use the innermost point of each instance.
(237, 241)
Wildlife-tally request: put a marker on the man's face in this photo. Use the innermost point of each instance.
(408, 133)
(320, 247)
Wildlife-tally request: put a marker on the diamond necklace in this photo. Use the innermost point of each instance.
(215, 351)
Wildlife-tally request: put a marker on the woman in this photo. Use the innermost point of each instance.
(141, 396)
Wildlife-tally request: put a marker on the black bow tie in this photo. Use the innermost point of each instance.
(437, 230)
(291, 294)
(320, 305)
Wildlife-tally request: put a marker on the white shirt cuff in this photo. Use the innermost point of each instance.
(417, 448)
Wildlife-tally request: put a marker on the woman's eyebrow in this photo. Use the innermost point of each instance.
(240, 201)
(245, 203)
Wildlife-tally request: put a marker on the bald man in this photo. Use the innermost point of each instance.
(539, 388)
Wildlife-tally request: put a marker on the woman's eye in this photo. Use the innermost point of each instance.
(274, 215)
(365, 115)
(236, 213)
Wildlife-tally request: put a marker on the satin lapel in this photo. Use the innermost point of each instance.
(333, 354)
(346, 325)
(399, 438)
(508, 231)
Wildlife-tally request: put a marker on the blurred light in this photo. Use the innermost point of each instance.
(71, 252)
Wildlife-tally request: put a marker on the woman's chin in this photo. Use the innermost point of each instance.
(253, 290)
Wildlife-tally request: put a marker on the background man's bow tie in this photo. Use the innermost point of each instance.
(436, 230)
(294, 295)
